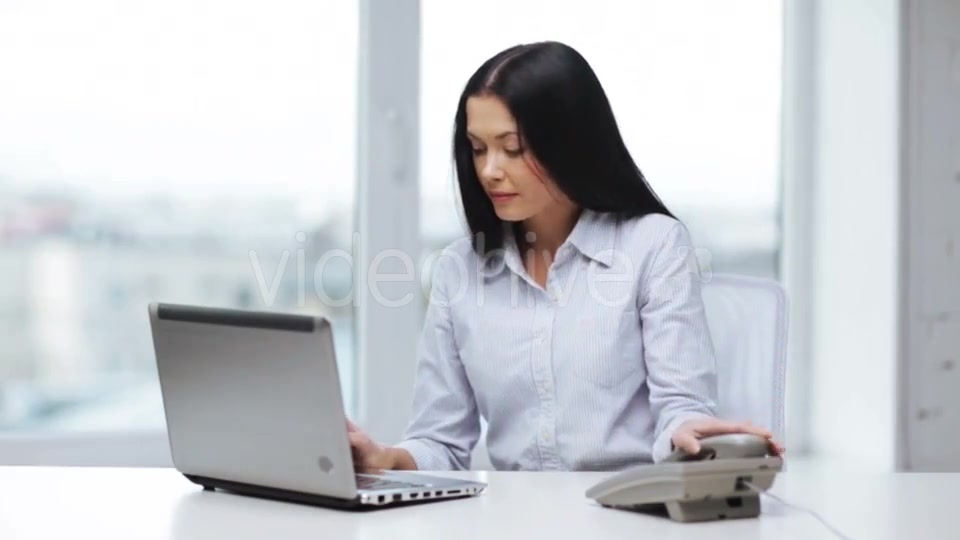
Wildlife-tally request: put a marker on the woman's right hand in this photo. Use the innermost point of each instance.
(368, 456)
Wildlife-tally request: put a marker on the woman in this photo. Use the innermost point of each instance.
(571, 319)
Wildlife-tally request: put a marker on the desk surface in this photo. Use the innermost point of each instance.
(107, 504)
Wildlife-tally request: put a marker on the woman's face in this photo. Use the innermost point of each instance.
(508, 172)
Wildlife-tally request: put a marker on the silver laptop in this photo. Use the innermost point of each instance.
(253, 405)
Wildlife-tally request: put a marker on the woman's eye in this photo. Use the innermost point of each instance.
(514, 152)
(478, 151)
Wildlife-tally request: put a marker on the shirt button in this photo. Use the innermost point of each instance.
(545, 435)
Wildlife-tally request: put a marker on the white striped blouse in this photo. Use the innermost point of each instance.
(592, 372)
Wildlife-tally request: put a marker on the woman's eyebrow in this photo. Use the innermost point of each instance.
(500, 136)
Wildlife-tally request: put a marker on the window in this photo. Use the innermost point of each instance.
(695, 86)
(189, 151)
(179, 151)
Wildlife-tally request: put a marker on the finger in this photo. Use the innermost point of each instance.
(357, 440)
(351, 426)
(766, 432)
(359, 460)
(721, 427)
(687, 442)
(778, 448)
(717, 427)
(746, 427)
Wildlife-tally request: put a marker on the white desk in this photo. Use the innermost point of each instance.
(125, 504)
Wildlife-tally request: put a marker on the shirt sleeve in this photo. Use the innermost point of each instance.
(445, 424)
(679, 356)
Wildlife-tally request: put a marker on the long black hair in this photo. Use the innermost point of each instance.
(564, 118)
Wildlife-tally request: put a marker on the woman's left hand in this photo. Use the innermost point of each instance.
(687, 436)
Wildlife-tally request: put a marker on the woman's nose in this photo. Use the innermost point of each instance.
(492, 169)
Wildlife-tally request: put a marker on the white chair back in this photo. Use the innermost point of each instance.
(748, 323)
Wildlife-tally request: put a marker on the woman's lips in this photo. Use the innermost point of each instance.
(502, 197)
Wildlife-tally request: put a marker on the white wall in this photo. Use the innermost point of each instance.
(855, 231)
(930, 353)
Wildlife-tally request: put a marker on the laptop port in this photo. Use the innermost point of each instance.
(382, 499)
(414, 495)
(453, 492)
(437, 493)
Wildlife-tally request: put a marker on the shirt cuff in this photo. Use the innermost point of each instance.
(428, 455)
(663, 447)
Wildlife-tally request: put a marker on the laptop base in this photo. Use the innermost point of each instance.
(311, 499)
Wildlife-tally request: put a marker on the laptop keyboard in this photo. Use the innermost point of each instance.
(378, 483)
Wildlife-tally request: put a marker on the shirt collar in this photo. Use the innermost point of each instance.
(594, 236)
